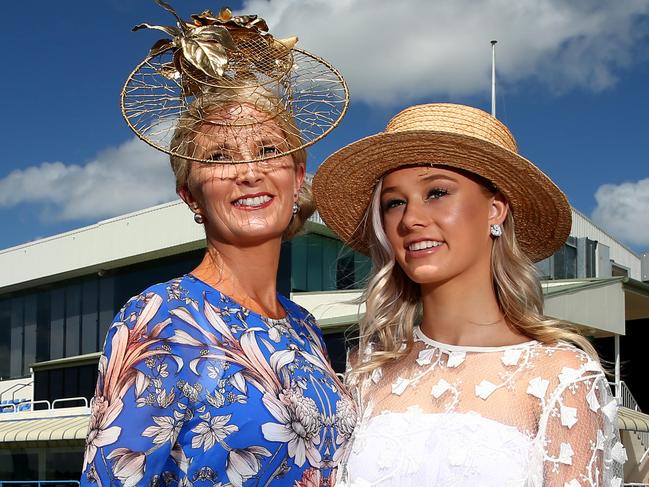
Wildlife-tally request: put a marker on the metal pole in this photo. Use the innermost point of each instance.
(618, 387)
(493, 77)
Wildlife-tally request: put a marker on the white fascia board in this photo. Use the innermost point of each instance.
(599, 308)
(155, 232)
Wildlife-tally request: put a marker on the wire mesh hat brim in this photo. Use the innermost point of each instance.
(307, 102)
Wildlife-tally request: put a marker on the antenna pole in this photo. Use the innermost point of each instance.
(493, 77)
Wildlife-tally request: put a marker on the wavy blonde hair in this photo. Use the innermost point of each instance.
(393, 301)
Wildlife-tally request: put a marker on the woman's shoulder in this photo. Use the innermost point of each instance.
(566, 361)
(161, 294)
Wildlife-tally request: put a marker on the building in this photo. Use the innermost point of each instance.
(59, 294)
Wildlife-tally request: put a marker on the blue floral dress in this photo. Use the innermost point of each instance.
(196, 390)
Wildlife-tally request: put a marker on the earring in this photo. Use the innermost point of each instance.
(496, 230)
(296, 208)
(198, 218)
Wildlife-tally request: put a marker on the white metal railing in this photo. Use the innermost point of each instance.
(29, 405)
(626, 397)
(628, 401)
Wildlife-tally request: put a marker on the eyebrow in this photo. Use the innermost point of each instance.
(432, 177)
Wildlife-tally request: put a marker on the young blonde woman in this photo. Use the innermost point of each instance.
(460, 379)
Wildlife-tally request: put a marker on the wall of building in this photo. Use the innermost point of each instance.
(618, 252)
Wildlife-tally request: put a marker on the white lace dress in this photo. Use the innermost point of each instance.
(525, 415)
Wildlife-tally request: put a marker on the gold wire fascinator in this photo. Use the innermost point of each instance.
(223, 89)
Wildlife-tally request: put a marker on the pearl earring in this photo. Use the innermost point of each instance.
(198, 218)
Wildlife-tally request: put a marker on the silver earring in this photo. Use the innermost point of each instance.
(198, 218)
(496, 230)
(296, 208)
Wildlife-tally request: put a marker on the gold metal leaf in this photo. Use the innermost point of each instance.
(211, 58)
(160, 46)
(225, 14)
(288, 43)
(169, 71)
(167, 29)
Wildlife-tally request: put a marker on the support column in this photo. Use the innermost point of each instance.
(618, 385)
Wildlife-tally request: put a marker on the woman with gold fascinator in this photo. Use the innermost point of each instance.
(459, 378)
(214, 378)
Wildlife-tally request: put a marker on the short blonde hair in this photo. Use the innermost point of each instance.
(263, 101)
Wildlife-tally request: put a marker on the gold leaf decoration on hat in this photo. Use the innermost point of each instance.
(206, 44)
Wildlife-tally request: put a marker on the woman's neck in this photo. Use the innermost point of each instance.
(246, 274)
(464, 311)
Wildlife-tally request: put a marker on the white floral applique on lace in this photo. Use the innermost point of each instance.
(525, 415)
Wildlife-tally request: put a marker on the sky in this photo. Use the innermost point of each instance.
(573, 87)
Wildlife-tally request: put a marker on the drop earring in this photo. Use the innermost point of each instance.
(198, 218)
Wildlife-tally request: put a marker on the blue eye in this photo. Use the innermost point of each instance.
(388, 205)
(218, 157)
(269, 150)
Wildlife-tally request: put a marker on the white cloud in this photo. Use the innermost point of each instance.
(118, 180)
(419, 48)
(623, 210)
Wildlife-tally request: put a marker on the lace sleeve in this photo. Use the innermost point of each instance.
(578, 430)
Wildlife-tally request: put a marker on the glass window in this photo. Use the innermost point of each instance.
(345, 272)
(29, 337)
(72, 319)
(89, 316)
(5, 337)
(543, 268)
(571, 262)
(57, 323)
(70, 382)
(107, 307)
(43, 317)
(314, 263)
(299, 263)
(17, 329)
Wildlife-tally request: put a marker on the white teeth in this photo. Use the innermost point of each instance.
(424, 244)
(256, 201)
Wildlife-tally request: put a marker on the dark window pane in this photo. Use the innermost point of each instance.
(57, 324)
(362, 269)
(560, 263)
(71, 382)
(87, 381)
(29, 340)
(345, 272)
(299, 263)
(41, 385)
(62, 463)
(43, 317)
(314, 263)
(5, 337)
(107, 307)
(72, 319)
(89, 317)
(571, 262)
(56, 384)
(17, 328)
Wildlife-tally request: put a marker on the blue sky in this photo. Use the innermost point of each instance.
(573, 88)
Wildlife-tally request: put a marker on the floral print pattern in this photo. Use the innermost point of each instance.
(195, 390)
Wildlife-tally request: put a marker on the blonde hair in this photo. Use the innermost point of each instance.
(393, 301)
(260, 99)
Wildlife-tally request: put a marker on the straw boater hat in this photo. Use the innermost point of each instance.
(455, 136)
(216, 60)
